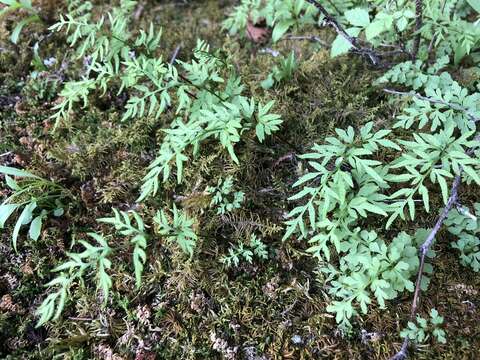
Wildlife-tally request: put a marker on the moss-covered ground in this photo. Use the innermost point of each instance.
(198, 308)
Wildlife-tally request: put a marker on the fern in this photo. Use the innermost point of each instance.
(123, 224)
(93, 258)
(222, 196)
(369, 268)
(346, 179)
(465, 227)
(256, 248)
(420, 331)
(354, 178)
(346, 184)
(179, 229)
(35, 197)
(205, 92)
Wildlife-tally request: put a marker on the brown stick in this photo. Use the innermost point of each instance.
(312, 38)
(452, 200)
(175, 54)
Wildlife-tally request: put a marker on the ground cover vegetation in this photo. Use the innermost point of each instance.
(245, 179)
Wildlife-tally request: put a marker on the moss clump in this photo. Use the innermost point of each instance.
(196, 308)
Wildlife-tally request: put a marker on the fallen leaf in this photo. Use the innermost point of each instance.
(257, 32)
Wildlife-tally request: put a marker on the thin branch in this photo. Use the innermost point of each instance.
(403, 352)
(138, 12)
(452, 201)
(334, 23)
(311, 38)
(187, 80)
(469, 113)
(329, 20)
(175, 54)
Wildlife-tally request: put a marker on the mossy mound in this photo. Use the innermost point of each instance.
(197, 308)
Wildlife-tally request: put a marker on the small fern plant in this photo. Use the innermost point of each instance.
(370, 270)
(465, 226)
(178, 229)
(236, 253)
(94, 259)
(138, 237)
(224, 198)
(422, 329)
(33, 197)
(204, 94)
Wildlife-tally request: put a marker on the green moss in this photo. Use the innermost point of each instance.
(274, 308)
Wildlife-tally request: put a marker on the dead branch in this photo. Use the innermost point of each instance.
(329, 20)
(175, 54)
(452, 200)
(311, 38)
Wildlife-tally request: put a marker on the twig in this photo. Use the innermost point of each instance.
(418, 25)
(470, 114)
(138, 11)
(452, 200)
(402, 354)
(334, 23)
(6, 154)
(430, 45)
(367, 52)
(175, 54)
(312, 38)
(283, 158)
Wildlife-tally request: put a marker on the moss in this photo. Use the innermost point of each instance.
(275, 308)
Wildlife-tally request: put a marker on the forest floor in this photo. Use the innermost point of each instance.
(198, 308)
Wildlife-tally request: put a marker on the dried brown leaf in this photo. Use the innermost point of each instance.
(257, 32)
